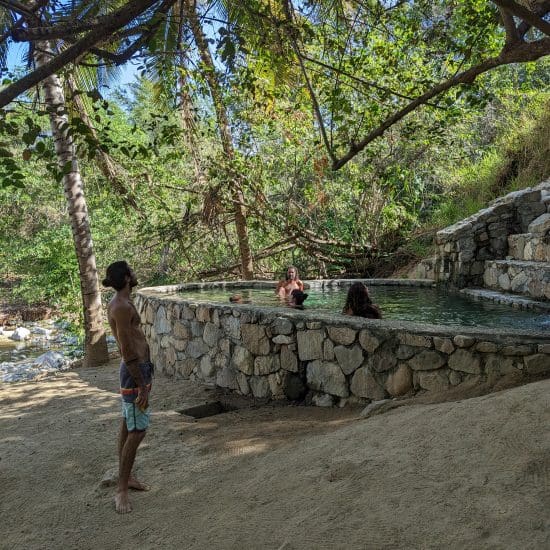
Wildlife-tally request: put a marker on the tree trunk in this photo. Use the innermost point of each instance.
(225, 137)
(95, 341)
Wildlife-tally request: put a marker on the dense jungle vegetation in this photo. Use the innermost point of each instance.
(260, 134)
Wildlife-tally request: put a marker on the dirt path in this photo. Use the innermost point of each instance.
(467, 474)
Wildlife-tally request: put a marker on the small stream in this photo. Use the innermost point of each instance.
(48, 347)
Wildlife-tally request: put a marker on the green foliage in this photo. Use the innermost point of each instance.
(439, 164)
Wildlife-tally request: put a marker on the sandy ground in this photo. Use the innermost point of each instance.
(473, 473)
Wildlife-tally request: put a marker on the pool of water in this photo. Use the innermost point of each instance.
(405, 303)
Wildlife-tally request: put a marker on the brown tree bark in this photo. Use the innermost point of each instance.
(190, 13)
(95, 341)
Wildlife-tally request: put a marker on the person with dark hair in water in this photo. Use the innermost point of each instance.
(297, 299)
(289, 283)
(358, 303)
(136, 372)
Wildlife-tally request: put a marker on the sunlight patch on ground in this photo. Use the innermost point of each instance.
(241, 447)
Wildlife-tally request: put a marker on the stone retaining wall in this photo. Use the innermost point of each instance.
(523, 277)
(284, 353)
(464, 247)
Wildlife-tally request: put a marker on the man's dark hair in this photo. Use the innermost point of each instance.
(116, 275)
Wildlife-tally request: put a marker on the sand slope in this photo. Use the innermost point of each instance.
(467, 474)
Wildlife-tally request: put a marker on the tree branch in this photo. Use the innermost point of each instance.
(526, 15)
(360, 80)
(117, 19)
(512, 35)
(314, 101)
(522, 53)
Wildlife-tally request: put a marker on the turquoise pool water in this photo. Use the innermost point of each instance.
(405, 303)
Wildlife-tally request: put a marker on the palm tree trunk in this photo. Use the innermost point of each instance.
(225, 137)
(95, 341)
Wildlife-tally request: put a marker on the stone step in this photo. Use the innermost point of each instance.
(514, 300)
(528, 278)
(529, 247)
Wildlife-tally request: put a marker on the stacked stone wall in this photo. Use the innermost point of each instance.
(329, 360)
(463, 248)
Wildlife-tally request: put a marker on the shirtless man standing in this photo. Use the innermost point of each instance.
(136, 372)
(290, 283)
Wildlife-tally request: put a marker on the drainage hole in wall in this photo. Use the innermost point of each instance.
(207, 409)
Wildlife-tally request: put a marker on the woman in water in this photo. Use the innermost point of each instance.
(358, 303)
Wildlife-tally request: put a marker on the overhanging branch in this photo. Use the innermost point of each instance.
(117, 20)
(521, 53)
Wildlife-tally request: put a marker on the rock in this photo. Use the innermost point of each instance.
(289, 361)
(161, 324)
(462, 341)
(283, 339)
(328, 350)
(20, 334)
(349, 359)
(434, 380)
(276, 382)
(363, 384)
(282, 325)
(243, 360)
(427, 360)
(444, 345)
(541, 225)
(404, 352)
(266, 364)
(259, 386)
(368, 341)
(400, 381)
(327, 377)
(196, 348)
(208, 369)
(415, 340)
(371, 408)
(486, 347)
(109, 479)
(227, 378)
(42, 331)
(382, 361)
(342, 335)
(310, 345)
(537, 364)
(255, 339)
(242, 381)
(211, 335)
(465, 361)
(323, 400)
(50, 360)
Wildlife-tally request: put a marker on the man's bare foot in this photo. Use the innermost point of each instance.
(137, 485)
(122, 503)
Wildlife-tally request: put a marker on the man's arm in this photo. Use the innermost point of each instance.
(122, 320)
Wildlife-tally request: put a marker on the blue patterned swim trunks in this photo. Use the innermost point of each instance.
(136, 419)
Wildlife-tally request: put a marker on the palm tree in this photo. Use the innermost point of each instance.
(95, 346)
(95, 341)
